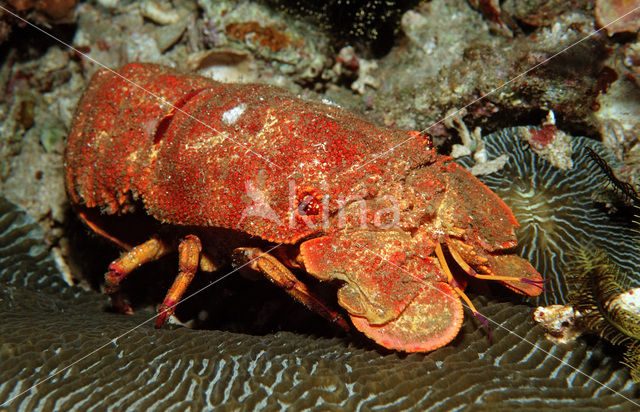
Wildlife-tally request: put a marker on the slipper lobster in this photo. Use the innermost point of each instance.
(159, 161)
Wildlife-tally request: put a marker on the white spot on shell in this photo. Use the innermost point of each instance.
(232, 115)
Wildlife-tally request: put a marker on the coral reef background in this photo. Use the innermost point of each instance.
(404, 64)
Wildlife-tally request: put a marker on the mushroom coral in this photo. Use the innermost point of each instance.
(557, 209)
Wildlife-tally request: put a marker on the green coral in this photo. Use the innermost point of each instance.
(595, 283)
(598, 282)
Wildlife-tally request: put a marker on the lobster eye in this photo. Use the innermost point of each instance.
(309, 202)
(309, 206)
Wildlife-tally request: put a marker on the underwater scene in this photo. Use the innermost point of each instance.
(342, 205)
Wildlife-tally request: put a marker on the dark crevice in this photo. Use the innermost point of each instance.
(371, 26)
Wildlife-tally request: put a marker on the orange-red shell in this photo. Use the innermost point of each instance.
(193, 166)
(197, 155)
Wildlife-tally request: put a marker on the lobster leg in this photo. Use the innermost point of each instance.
(452, 282)
(152, 249)
(281, 276)
(188, 259)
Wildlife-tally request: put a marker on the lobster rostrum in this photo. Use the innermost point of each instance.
(159, 161)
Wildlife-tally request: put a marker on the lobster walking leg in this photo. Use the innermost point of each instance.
(278, 273)
(452, 282)
(189, 257)
(152, 249)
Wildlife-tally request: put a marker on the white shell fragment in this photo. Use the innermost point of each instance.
(559, 322)
(628, 301)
